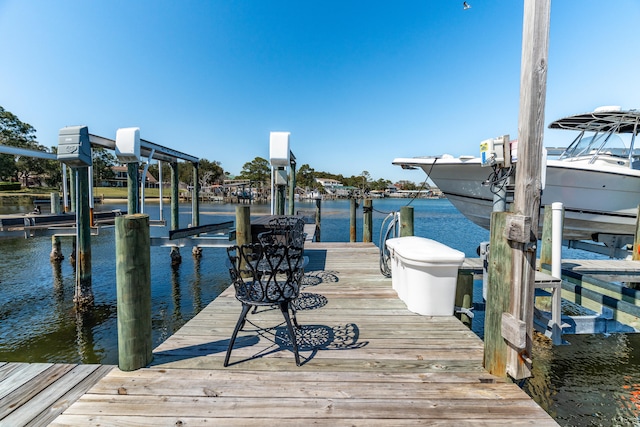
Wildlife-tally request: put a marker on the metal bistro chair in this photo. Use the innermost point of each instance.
(288, 230)
(266, 275)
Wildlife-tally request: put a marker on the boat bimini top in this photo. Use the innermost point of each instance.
(600, 132)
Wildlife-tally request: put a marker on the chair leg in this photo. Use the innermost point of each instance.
(284, 307)
(293, 315)
(241, 319)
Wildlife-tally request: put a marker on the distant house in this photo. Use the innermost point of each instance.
(120, 179)
(334, 187)
(328, 183)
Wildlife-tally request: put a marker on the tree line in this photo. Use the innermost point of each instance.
(42, 172)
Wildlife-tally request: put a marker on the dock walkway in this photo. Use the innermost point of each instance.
(366, 359)
(34, 394)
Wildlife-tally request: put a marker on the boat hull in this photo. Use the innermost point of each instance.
(596, 199)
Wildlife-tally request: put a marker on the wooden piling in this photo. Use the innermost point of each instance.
(176, 258)
(318, 219)
(133, 285)
(56, 249)
(72, 188)
(195, 200)
(352, 220)
(132, 188)
(280, 192)
(523, 226)
(545, 241)
(292, 189)
(83, 295)
(406, 221)
(367, 222)
(243, 225)
(498, 297)
(636, 241)
(55, 202)
(464, 296)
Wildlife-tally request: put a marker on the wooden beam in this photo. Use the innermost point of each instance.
(192, 231)
(533, 86)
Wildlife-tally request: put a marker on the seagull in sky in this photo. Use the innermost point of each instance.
(466, 5)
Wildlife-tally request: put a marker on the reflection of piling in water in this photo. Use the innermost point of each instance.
(176, 295)
(197, 291)
(58, 284)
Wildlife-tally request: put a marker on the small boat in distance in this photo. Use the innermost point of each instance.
(597, 177)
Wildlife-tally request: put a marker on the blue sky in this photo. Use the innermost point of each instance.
(356, 83)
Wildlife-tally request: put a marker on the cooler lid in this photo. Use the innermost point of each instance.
(422, 249)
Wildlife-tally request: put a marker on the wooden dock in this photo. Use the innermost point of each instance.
(367, 360)
(36, 393)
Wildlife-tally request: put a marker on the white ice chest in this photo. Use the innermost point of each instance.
(424, 274)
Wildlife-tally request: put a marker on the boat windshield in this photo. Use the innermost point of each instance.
(602, 144)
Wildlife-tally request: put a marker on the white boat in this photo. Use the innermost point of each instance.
(597, 177)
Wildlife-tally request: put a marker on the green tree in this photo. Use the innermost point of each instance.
(103, 162)
(407, 185)
(210, 172)
(185, 172)
(15, 133)
(380, 184)
(53, 170)
(306, 177)
(27, 166)
(257, 170)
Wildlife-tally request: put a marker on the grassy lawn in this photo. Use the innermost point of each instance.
(107, 192)
(121, 192)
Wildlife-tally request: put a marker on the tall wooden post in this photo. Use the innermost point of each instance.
(367, 221)
(406, 221)
(464, 296)
(83, 297)
(132, 188)
(292, 189)
(523, 226)
(133, 286)
(545, 241)
(280, 190)
(195, 200)
(72, 189)
(498, 297)
(56, 250)
(243, 225)
(55, 203)
(65, 189)
(352, 221)
(318, 218)
(636, 240)
(176, 258)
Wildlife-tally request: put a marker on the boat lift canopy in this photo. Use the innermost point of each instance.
(601, 120)
(147, 148)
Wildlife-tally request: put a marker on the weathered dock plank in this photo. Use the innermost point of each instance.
(367, 360)
(36, 393)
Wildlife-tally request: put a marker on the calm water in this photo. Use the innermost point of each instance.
(595, 381)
